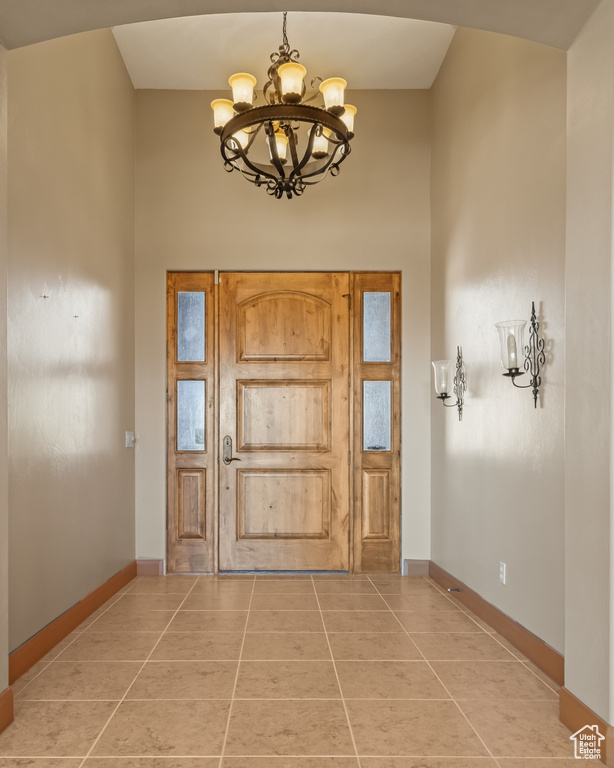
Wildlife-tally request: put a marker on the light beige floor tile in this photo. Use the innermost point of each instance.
(228, 577)
(427, 762)
(157, 728)
(185, 680)
(437, 621)
(47, 728)
(519, 728)
(361, 621)
(39, 762)
(285, 621)
(224, 587)
(176, 584)
(385, 727)
(283, 577)
(289, 762)
(285, 645)
(339, 576)
(111, 646)
(284, 587)
(198, 646)
(466, 646)
(28, 676)
(345, 587)
(423, 603)
(389, 680)
(232, 601)
(130, 602)
(339, 602)
(405, 585)
(491, 680)
(152, 762)
(209, 621)
(373, 645)
(288, 728)
(136, 621)
(277, 602)
(287, 680)
(82, 680)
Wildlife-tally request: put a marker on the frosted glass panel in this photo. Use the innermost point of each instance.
(190, 415)
(376, 327)
(376, 415)
(190, 326)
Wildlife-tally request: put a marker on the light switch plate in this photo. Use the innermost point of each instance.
(129, 439)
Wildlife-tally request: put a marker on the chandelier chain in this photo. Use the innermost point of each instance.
(285, 31)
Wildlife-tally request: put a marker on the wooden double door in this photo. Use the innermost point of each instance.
(260, 416)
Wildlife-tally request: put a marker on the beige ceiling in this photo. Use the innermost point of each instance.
(200, 52)
(554, 22)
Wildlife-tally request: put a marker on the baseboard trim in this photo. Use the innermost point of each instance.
(150, 567)
(546, 658)
(416, 567)
(574, 714)
(34, 649)
(6, 708)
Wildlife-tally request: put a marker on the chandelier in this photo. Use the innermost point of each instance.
(286, 144)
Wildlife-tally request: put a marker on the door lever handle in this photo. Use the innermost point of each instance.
(227, 456)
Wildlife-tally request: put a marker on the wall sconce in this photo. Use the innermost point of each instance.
(446, 378)
(511, 338)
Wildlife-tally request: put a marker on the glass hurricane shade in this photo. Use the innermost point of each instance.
(444, 376)
(242, 85)
(511, 340)
(291, 75)
(333, 91)
(223, 110)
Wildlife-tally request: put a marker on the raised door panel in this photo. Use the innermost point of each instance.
(291, 415)
(284, 504)
(282, 326)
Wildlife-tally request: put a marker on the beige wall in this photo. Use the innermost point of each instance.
(589, 591)
(4, 507)
(191, 215)
(498, 202)
(71, 379)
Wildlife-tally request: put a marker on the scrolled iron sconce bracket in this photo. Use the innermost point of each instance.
(459, 382)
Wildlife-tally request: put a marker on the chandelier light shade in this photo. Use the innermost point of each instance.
(285, 144)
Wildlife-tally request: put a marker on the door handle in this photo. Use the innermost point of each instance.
(227, 456)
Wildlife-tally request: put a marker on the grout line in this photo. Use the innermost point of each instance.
(119, 703)
(234, 688)
(330, 650)
(456, 704)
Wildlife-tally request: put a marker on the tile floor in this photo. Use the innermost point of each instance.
(285, 672)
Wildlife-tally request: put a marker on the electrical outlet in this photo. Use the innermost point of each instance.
(503, 573)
